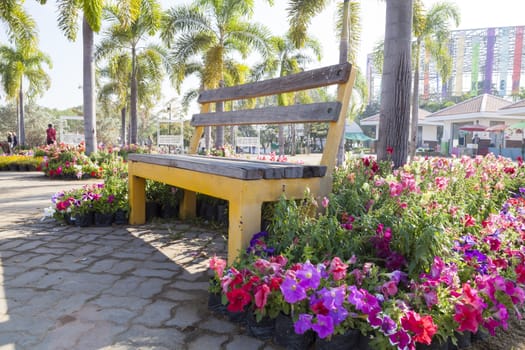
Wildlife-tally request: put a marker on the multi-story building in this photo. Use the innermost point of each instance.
(485, 60)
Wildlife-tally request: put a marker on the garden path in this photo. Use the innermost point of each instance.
(119, 287)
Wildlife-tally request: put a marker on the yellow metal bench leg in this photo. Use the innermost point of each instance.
(244, 222)
(137, 200)
(188, 205)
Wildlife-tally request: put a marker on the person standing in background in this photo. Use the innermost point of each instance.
(10, 139)
(15, 140)
(51, 134)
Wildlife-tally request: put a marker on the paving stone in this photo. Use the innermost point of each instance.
(115, 267)
(207, 342)
(242, 342)
(54, 278)
(129, 303)
(185, 315)
(125, 285)
(141, 337)
(148, 287)
(218, 326)
(177, 295)
(190, 286)
(154, 314)
(101, 335)
(165, 274)
(65, 336)
(94, 313)
(27, 246)
(28, 278)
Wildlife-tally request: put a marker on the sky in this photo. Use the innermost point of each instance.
(66, 73)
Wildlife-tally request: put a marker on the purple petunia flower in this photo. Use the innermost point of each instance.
(303, 324)
(388, 326)
(309, 276)
(400, 338)
(324, 327)
(333, 297)
(338, 314)
(292, 291)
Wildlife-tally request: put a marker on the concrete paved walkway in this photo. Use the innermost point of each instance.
(119, 287)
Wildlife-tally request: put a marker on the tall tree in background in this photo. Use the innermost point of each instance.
(17, 64)
(131, 37)
(287, 59)
(21, 28)
(394, 116)
(214, 31)
(69, 12)
(431, 29)
(301, 12)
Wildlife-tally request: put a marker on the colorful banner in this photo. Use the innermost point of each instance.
(460, 56)
(504, 39)
(475, 65)
(489, 61)
(516, 70)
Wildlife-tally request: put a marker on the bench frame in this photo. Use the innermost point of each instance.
(244, 193)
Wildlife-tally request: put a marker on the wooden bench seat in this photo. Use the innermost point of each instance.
(247, 184)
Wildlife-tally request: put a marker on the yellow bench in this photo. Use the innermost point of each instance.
(247, 184)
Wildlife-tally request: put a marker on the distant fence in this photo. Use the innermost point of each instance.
(169, 140)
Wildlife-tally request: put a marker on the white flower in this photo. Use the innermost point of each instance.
(48, 213)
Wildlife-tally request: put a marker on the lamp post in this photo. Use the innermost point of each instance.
(169, 125)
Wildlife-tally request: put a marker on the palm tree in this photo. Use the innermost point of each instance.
(301, 13)
(122, 37)
(68, 15)
(17, 64)
(117, 80)
(114, 92)
(213, 31)
(287, 59)
(432, 30)
(394, 115)
(21, 27)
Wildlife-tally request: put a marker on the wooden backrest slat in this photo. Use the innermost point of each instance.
(336, 74)
(307, 113)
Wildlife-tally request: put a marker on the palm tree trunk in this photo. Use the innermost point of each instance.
(415, 104)
(90, 120)
(123, 126)
(281, 139)
(394, 116)
(219, 130)
(133, 97)
(343, 57)
(21, 132)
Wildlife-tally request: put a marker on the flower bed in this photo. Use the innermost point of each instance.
(20, 162)
(426, 254)
(107, 201)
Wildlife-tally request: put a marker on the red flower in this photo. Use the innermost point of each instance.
(468, 220)
(468, 317)
(275, 283)
(238, 299)
(261, 295)
(423, 328)
(389, 150)
(338, 269)
(520, 273)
